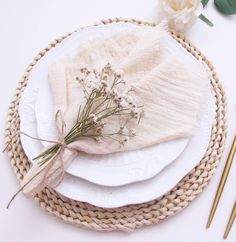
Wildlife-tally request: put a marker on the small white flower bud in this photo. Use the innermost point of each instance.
(119, 73)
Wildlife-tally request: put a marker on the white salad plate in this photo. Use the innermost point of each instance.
(111, 194)
(114, 169)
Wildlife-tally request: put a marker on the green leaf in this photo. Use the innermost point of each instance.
(206, 20)
(227, 7)
(205, 2)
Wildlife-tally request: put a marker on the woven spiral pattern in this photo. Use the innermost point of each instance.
(130, 217)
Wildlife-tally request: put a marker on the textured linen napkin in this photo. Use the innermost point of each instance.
(170, 89)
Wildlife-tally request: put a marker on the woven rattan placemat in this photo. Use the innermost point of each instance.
(130, 217)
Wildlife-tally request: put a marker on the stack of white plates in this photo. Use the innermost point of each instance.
(116, 179)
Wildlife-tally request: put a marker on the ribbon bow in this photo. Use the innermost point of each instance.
(53, 170)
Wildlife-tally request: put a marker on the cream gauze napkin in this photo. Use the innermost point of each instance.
(170, 89)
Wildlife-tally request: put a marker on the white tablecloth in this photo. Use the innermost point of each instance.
(26, 27)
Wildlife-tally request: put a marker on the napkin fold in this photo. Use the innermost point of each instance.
(170, 89)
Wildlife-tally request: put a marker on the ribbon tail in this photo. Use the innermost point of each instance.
(34, 180)
(47, 175)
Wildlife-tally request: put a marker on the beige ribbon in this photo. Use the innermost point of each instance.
(62, 146)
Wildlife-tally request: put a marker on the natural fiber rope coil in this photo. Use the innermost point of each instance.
(130, 217)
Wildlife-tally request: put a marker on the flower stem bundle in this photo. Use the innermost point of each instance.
(103, 100)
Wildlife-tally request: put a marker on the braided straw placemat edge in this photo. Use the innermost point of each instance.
(130, 217)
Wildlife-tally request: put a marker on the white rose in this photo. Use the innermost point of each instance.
(180, 14)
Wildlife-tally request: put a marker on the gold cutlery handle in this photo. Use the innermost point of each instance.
(222, 182)
(230, 222)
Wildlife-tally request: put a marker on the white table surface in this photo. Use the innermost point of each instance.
(26, 27)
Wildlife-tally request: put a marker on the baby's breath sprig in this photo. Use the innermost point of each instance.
(102, 101)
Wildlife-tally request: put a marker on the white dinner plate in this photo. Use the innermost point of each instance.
(104, 196)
